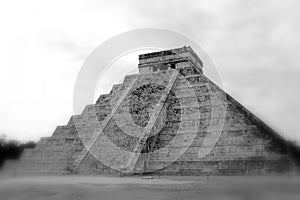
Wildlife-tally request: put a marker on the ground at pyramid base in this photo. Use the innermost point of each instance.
(169, 119)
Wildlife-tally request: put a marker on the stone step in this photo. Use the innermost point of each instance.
(129, 78)
(198, 86)
(103, 98)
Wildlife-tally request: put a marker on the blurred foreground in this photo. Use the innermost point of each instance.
(96, 187)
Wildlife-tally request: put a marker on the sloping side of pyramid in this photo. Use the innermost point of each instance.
(53, 154)
(245, 145)
(169, 119)
(57, 153)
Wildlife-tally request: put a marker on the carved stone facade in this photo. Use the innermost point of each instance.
(169, 119)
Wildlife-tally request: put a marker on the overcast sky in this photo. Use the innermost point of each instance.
(254, 44)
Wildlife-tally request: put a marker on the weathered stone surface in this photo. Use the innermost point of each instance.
(197, 130)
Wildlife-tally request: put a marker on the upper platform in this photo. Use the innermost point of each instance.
(170, 59)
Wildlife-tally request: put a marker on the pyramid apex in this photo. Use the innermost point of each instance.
(170, 59)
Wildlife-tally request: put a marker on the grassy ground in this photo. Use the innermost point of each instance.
(96, 187)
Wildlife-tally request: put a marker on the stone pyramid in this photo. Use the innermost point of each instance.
(169, 119)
